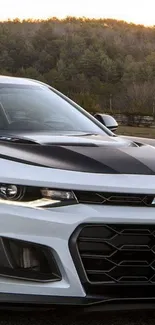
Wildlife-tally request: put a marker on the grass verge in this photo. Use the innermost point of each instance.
(136, 131)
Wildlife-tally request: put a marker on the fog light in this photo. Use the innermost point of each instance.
(29, 260)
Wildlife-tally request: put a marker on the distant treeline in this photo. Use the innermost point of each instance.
(103, 64)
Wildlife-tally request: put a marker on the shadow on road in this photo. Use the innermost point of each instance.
(45, 318)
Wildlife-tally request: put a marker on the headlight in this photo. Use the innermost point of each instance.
(12, 192)
(34, 196)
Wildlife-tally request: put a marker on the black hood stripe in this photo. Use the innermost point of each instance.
(118, 160)
(128, 160)
(145, 156)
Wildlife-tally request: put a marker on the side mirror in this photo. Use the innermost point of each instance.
(107, 120)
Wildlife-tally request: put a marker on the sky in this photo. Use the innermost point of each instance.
(136, 11)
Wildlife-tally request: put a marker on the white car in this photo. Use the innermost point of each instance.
(77, 205)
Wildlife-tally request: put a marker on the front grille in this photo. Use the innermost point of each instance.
(116, 254)
(104, 198)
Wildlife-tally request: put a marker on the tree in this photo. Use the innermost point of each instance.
(101, 63)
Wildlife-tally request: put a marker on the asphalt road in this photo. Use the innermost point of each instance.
(47, 318)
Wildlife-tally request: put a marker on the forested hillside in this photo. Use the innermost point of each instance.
(102, 64)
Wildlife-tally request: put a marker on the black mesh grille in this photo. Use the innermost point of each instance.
(115, 198)
(118, 254)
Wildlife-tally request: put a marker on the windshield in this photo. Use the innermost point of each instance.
(38, 108)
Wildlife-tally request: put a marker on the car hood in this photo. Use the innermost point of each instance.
(80, 152)
(149, 141)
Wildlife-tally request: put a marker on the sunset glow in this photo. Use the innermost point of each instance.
(137, 11)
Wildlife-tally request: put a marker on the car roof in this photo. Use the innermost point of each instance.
(18, 81)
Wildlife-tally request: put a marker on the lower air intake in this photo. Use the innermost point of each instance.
(28, 261)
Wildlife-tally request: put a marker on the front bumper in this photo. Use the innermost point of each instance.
(54, 228)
